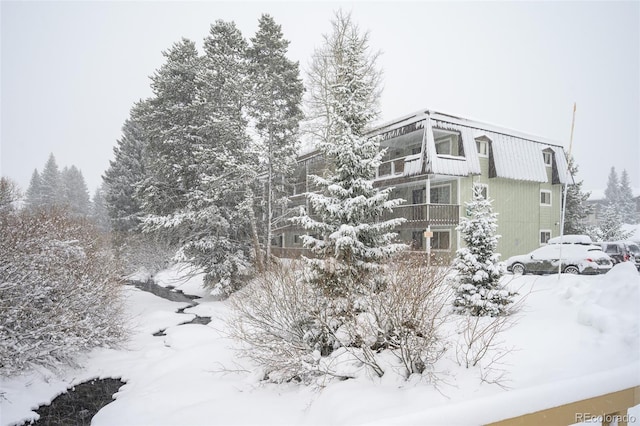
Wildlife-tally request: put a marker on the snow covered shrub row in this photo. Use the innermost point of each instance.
(59, 290)
(293, 330)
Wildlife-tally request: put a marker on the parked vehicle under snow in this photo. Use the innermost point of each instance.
(576, 259)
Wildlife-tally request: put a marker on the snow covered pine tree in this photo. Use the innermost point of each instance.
(275, 97)
(477, 283)
(345, 232)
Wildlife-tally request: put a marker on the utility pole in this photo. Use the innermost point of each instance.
(566, 184)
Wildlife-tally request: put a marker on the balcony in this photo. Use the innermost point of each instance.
(409, 165)
(423, 215)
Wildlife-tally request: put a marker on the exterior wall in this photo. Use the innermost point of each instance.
(520, 214)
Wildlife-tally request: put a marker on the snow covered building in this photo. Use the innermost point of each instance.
(433, 161)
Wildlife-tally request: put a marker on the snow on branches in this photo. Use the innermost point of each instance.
(478, 291)
(59, 290)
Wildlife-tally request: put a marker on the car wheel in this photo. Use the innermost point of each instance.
(518, 269)
(571, 270)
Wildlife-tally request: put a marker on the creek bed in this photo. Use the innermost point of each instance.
(79, 404)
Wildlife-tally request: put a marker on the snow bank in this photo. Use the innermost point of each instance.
(575, 337)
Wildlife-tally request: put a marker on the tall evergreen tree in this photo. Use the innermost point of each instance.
(171, 131)
(99, 211)
(275, 98)
(611, 224)
(50, 184)
(577, 209)
(344, 230)
(220, 238)
(75, 194)
(126, 172)
(197, 166)
(34, 192)
(477, 283)
(612, 191)
(612, 213)
(627, 203)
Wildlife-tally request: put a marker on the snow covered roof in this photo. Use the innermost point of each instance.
(514, 155)
(452, 165)
(522, 159)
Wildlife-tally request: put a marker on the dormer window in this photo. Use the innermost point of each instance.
(448, 143)
(483, 148)
(443, 146)
(548, 158)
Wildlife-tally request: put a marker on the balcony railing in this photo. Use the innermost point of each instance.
(423, 215)
(416, 215)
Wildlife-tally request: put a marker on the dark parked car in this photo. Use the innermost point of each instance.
(622, 251)
(576, 259)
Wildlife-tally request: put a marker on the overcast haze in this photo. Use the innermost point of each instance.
(72, 70)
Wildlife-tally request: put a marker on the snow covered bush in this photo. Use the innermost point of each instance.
(477, 283)
(275, 318)
(295, 331)
(59, 290)
(480, 345)
(406, 315)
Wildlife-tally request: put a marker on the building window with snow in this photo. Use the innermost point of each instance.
(483, 148)
(448, 143)
(441, 240)
(440, 194)
(545, 236)
(545, 197)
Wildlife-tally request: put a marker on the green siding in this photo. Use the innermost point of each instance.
(520, 215)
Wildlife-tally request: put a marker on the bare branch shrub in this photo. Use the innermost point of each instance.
(275, 320)
(481, 345)
(410, 311)
(291, 328)
(59, 289)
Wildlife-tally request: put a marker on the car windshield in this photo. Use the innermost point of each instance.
(634, 249)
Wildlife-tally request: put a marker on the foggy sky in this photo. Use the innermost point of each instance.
(72, 70)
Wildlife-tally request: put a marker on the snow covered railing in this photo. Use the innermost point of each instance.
(422, 215)
(600, 396)
(608, 409)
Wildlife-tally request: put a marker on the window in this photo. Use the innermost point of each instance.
(548, 158)
(484, 189)
(483, 148)
(545, 236)
(296, 239)
(545, 197)
(416, 240)
(418, 196)
(416, 150)
(278, 241)
(443, 146)
(441, 240)
(441, 194)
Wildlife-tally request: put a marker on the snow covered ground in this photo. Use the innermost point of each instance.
(576, 337)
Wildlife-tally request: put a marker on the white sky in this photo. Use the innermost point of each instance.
(72, 70)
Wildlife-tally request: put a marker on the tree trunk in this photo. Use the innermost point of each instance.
(254, 232)
(267, 242)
